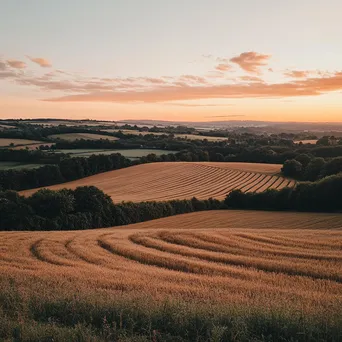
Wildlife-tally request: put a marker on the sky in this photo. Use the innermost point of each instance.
(180, 60)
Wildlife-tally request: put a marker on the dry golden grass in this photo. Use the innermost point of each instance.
(258, 259)
(166, 181)
(86, 136)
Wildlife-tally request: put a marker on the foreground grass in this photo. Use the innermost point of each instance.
(42, 313)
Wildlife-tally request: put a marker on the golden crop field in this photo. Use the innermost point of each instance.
(86, 136)
(284, 263)
(8, 141)
(181, 180)
(306, 141)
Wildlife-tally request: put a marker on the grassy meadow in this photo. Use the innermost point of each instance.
(5, 165)
(128, 153)
(4, 142)
(78, 136)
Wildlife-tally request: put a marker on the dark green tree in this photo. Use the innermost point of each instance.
(292, 168)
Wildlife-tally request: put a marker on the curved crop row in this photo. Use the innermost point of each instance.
(167, 181)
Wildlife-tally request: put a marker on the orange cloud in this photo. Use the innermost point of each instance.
(307, 87)
(198, 105)
(251, 79)
(44, 63)
(223, 67)
(214, 85)
(297, 73)
(226, 116)
(193, 79)
(251, 61)
(13, 63)
(46, 83)
(152, 80)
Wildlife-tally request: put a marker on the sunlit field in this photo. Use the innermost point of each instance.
(128, 153)
(166, 181)
(307, 141)
(231, 275)
(16, 142)
(78, 136)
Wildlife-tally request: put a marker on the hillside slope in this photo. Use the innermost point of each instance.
(258, 259)
(181, 180)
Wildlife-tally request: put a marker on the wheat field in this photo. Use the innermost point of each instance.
(181, 180)
(306, 141)
(269, 262)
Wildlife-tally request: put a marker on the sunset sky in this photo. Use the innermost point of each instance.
(184, 60)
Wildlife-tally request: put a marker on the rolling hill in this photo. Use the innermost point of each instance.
(288, 263)
(181, 180)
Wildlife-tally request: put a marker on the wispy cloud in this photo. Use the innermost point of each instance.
(198, 105)
(76, 87)
(297, 73)
(251, 79)
(5, 72)
(193, 79)
(226, 116)
(223, 67)
(44, 63)
(308, 87)
(251, 61)
(14, 63)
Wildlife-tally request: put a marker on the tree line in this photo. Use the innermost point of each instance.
(37, 132)
(321, 196)
(31, 156)
(306, 167)
(88, 207)
(64, 170)
(85, 208)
